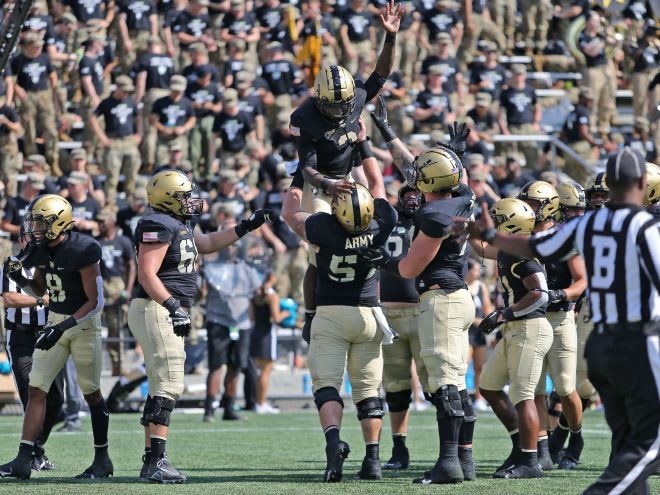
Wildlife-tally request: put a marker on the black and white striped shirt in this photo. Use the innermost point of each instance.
(35, 316)
(621, 246)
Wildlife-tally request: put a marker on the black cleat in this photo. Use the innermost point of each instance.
(520, 471)
(510, 461)
(400, 459)
(145, 468)
(334, 469)
(443, 472)
(370, 470)
(161, 471)
(557, 456)
(18, 468)
(41, 463)
(568, 462)
(230, 415)
(467, 464)
(545, 463)
(100, 468)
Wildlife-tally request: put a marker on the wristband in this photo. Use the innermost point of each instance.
(171, 304)
(390, 38)
(488, 235)
(387, 132)
(507, 313)
(240, 232)
(364, 148)
(70, 322)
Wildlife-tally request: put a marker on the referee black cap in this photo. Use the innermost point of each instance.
(626, 166)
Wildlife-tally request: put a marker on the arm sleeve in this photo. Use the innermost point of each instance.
(374, 84)
(306, 152)
(556, 243)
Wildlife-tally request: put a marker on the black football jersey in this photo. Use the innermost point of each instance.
(326, 146)
(449, 267)
(559, 277)
(344, 277)
(177, 272)
(512, 270)
(393, 287)
(61, 267)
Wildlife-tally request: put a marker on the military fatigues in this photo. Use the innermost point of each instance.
(171, 114)
(195, 25)
(11, 159)
(646, 66)
(483, 27)
(32, 75)
(138, 23)
(121, 127)
(200, 135)
(148, 321)
(561, 359)
(327, 147)
(344, 331)
(61, 267)
(575, 170)
(446, 306)
(358, 24)
(598, 76)
(233, 131)
(536, 19)
(518, 357)
(93, 68)
(405, 320)
(280, 76)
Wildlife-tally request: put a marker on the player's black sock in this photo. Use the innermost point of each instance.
(25, 450)
(208, 404)
(147, 454)
(100, 420)
(529, 458)
(331, 435)
(371, 450)
(559, 435)
(586, 404)
(575, 444)
(399, 440)
(542, 447)
(157, 446)
(515, 439)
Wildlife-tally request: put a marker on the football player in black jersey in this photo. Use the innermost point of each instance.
(437, 260)
(400, 302)
(159, 316)
(67, 266)
(526, 338)
(597, 193)
(345, 332)
(567, 280)
(326, 128)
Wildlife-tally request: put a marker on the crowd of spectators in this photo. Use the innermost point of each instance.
(100, 94)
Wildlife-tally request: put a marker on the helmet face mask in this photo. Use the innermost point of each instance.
(36, 229)
(191, 204)
(410, 200)
(598, 194)
(542, 198)
(48, 217)
(335, 111)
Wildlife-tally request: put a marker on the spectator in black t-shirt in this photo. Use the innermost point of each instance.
(238, 24)
(10, 159)
(37, 163)
(250, 102)
(173, 117)
(269, 15)
(231, 128)
(280, 136)
(85, 10)
(193, 25)
(206, 103)
(281, 76)
(85, 208)
(477, 182)
(78, 163)
(641, 141)
(199, 56)
(129, 216)
(488, 76)
(36, 98)
(522, 110)
(484, 119)
(357, 34)
(647, 61)
(175, 161)
(432, 107)
(153, 74)
(136, 22)
(235, 62)
(441, 19)
(90, 70)
(119, 275)
(121, 137)
(450, 70)
(575, 132)
(16, 207)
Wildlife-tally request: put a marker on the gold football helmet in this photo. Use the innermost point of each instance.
(652, 194)
(437, 170)
(545, 195)
(334, 92)
(171, 191)
(599, 187)
(47, 217)
(513, 216)
(571, 195)
(354, 211)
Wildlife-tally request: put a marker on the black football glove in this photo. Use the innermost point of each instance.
(256, 220)
(375, 257)
(179, 317)
(458, 135)
(490, 323)
(379, 116)
(556, 295)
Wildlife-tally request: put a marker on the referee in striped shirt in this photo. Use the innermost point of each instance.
(25, 315)
(620, 244)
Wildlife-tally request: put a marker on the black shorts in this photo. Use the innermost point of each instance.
(477, 338)
(223, 350)
(263, 344)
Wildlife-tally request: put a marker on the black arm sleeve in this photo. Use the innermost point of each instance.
(306, 152)
(374, 84)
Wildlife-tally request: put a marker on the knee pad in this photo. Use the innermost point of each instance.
(327, 394)
(160, 411)
(553, 402)
(398, 401)
(448, 402)
(370, 408)
(468, 410)
(147, 411)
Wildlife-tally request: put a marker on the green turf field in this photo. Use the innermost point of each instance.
(284, 455)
